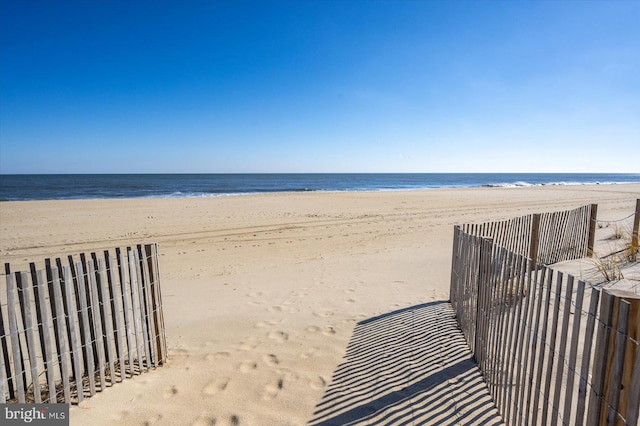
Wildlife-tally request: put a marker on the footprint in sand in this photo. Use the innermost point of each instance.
(323, 314)
(264, 324)
(247, 365)
(178, 354)
(318, 383)
(204, 420)
(217, 355)
(309, 353)
(154, 420)
(328, 331)
(278, 336)
(273, 389)
(170, 392)
(247, 346)
(232, 420)
(120, 415)
(218, 385)
(271, 360)
(312, 329)
(282, 309)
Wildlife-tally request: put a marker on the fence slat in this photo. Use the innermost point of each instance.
(146, 292)
(4, 337)
(617, 353)
(107, 320)
(586, 355)
(602, 343)
(63, 351)
(543, 342)
(18, 367)
(529, 293)
(97, 321)
(573, 352)
(487, 368)
(143, 311)
(539, 283)
(508, 330)
(636, 230)
(35, 289)
(73, 339)
(562, 349)
(634, 390)
(84, 320)
(516, 340)
(496, 360)
(125, 281)
(552, 346)
(135, 303)
(77, 270)
(67, 308)
(157, 298)
(46, 336)
(102, 301)
(116, 310)
(90, 309)
(29, 326)
(4, 363)
(51, 305)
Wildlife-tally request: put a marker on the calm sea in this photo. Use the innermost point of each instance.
(62, 187)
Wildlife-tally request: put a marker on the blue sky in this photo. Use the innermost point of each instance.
(128, 86)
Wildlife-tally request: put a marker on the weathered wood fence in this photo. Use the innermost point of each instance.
(553, 350)
(544, 237)
(69, 330)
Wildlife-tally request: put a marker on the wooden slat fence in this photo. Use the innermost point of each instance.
(545, 237)
(80, 324)
(553, 350)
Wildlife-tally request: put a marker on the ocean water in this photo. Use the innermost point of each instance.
(61, 187)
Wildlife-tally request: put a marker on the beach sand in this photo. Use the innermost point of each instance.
(272, 302)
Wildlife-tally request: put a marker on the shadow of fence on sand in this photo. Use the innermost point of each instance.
(410, 366)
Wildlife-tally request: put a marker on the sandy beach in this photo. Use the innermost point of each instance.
(265, 296)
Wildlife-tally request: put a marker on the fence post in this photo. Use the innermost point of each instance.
(592, 229)
(453, 286)
(535, 240)
(484, 266)
(621, 357)
(636, 225)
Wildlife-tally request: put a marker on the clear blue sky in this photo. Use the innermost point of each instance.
(319, 86)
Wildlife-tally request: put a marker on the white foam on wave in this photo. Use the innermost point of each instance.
(560, 183)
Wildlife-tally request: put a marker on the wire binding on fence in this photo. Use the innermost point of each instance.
(616, 220)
